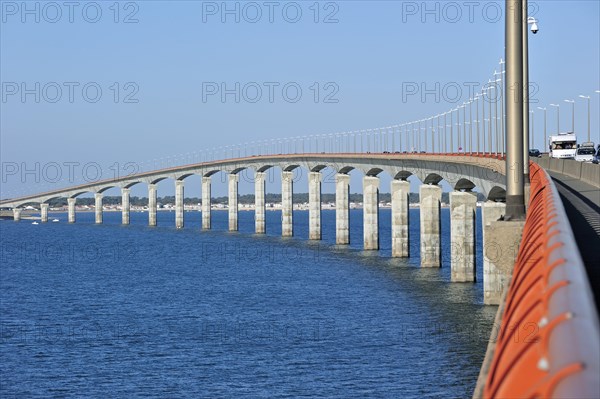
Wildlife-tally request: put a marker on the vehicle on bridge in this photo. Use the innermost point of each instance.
(562, 145)
(597, 155)
(585, 152)
(535, 153)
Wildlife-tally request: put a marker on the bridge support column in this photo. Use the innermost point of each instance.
(493, 281)
(71, 210)
(314, 205)
(259, 203)
(463, 206)
(125, 205)
(342, 209)
(400, 219)
(17, 214)
(44, 212)
(151, 204)
(179, 196)
(287, 204)
(371, 212)
(98, 207)
(206, 204)
(232, 205)
(431, 245)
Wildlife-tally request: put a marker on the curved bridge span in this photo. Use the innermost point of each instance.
(461, 171)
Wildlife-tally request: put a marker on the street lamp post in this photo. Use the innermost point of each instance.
(451, 131)
(557, 106)
(490, 87)
(572, 102)
(515, 188)
(478, 120)
(532, 133)
(588, 98)
(545, 131)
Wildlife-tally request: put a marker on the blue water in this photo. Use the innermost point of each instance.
(122, 311)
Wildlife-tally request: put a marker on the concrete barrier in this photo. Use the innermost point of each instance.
(572, 168)
(556, 165)
(543, 161)
(590, 173)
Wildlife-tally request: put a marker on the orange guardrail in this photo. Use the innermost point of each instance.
(549, 343)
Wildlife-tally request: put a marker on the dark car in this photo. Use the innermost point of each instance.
(596, 159)
(535, 153)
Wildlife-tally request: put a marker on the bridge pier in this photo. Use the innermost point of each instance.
(492, 278)
(342, 206)
(232, 205)
(463, 206)
(259, 203)
(206, 203)
(44, 212)
(151, 204)
(314, 205)
(98, 207)
(179, 196)
(71, 210)
(17, 214)
(400, 219)
(125, 205)
(431, 245)
(287, 204)
(371, 212)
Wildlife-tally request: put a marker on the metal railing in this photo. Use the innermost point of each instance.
(549, 343)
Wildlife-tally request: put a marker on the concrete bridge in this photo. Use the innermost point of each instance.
(546, 287)
(462, 172)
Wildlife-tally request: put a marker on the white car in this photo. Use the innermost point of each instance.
(585, 153)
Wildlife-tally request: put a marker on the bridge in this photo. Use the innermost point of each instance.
(545, 343)
(538, 280)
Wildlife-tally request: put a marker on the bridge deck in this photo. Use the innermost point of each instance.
(582, 205)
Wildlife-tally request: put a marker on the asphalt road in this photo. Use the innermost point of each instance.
(582, 205)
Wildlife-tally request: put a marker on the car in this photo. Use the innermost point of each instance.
(596, 159)
(535, 153)
(585, 152)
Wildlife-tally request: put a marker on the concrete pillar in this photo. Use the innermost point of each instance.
(206, 204)
(71, 210)
(44, 212)
(125, 205)
(259, 203)
(179, 196)
(431, 243)
(400, 219)
(463, 206)
(98, 207)
(342, 209)
(17, 214)
(151, 204)
(287, 204)
(371, 212)
(233, 201)
(314, 205)
(492, 279)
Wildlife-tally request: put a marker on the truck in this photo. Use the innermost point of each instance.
(585, 152)
(562, 145)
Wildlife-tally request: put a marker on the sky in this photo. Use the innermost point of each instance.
(115, 84)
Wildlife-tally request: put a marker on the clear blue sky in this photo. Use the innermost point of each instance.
(373, 50)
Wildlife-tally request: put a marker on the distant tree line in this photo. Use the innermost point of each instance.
(243, 199)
